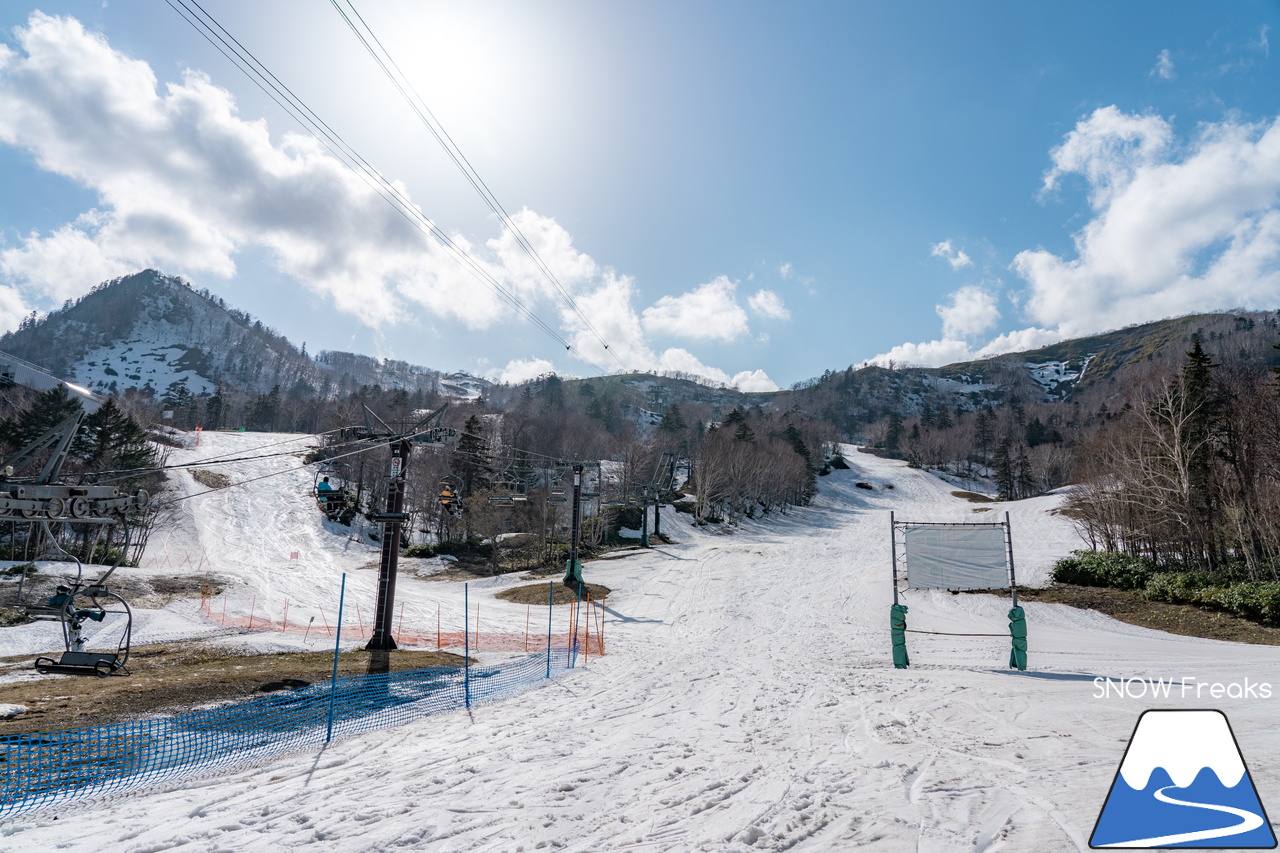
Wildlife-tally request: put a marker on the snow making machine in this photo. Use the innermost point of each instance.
(32, 491)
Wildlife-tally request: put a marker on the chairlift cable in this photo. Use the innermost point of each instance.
(451, 149)
(126, 473)
(262, 77)
(301, 467)
(282, 95)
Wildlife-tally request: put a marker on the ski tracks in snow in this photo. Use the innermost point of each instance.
(747, 703)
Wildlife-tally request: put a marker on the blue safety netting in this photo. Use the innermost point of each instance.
(43, 769)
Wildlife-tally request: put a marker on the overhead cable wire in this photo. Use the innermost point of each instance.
(414, 99)
(282, 95)
(221, 459)
(226, 44)
(369, 446)
(261, 76)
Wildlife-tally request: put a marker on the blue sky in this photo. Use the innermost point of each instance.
(752, 192)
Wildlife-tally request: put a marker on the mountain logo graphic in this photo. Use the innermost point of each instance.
(1183, 783)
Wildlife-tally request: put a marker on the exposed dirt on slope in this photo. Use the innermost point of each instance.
(1175, 618)
(174, 677)
(537, 593)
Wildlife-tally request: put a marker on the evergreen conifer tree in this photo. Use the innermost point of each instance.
(1024, 480)
(672, 421)
(1005, 480)
(49, 409)
(893, 432)
(471, 457)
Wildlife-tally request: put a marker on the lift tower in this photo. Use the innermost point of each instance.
(427, 431)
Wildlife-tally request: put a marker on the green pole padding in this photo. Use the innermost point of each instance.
(898, 628)
(1018, 630)
(573, 572)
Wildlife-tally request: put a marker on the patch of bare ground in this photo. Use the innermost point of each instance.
(536, 593)
(973, 497)
(141, 591)
(175, 677)
(1133, 608)
(211, 479)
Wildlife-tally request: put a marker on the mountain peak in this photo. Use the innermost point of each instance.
(151, 332)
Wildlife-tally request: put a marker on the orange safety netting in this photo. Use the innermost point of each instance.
(586, 622)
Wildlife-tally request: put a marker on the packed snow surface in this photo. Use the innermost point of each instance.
(747, 701)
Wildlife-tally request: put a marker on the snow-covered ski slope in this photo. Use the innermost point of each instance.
(746, 703)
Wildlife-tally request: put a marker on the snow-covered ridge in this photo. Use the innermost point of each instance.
(1183, 743)
(464, 386)
(1058, 377)
(143, 361)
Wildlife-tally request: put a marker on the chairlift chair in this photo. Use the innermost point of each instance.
(451, 495)
(332, 501)
(77, 602)
(512, 489)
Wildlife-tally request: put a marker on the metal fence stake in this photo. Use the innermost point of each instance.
(333, 685)
(466, 646)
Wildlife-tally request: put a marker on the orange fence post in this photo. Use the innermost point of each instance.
(360, 619)
(224, 608)
(285, 626)
(252, 605)
(438, 646)
(323, 619)
(400, 626)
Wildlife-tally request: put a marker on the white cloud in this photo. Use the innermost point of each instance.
(1164, 67)
(185, 184)
(928, 354)
(1174, 231)
(12, 308)
(709, 311)
(1022, 339)
(682, 361)
(521, 370)
(612, 312)
(63, 261)
(1108, 148)
(956, 257)
(971, 312)
(753, 381)
(613, 315)
(766, 303)
(785, 272)
(950, 351)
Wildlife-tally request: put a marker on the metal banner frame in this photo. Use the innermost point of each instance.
(898, 549)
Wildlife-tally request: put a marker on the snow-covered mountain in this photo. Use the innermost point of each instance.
(149, 331)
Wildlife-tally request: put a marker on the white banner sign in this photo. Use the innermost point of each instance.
(944, 556)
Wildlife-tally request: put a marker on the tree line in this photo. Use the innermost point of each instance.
(1189, 475)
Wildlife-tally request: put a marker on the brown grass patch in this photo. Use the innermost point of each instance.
(973, 497)
(141, 591)
(175, 677)
(212, 479)
(536, 593)
(1133, 608)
